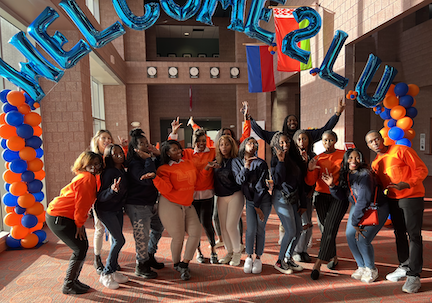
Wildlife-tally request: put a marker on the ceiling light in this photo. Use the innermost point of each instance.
(186, 34)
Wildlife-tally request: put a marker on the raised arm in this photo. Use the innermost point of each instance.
(247, 124)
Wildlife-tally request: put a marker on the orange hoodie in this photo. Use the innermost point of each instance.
(328, 163)
(176, 182)
(200, 161)
(75, 199)
(401, 164)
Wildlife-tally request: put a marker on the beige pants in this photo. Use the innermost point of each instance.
(230, 209)
(178, 220)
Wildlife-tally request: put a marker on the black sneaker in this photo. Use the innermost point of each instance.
(305, 257)
(283, 267)
(292, 265)
(154, 263)
(143, 269)
(98, 264)
(200, 258)
(183, 268)
(213, 258)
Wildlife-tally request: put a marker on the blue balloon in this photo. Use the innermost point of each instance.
(180, 13)
(12, 242)
(39, 153)
(391, 123)
(208, 9)
(152, 13)
(25, 131)
(401, 89)
(404, 141)
(34, 186)
(8, 108)
(10, 155)
(10, 200)
(22, 80)
(326, 69)
(94, 37)
(39, 196)
(19, 210)
(385, 115)
(34, 142)
(258, 12)
(29, 221)
(30, 101)
(37, 66)
(14, 118)
(366, 77)
(395, 133)
(291, 40)
(41, 234)
(406, 101)
(54, 45)
(27, 176)
(411, 112)
(3, 143)
(18, 166)
(7, 186)
(3, 95)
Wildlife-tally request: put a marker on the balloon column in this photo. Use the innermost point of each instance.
(21, 143)
(398, 111)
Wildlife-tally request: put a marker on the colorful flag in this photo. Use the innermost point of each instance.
(284, 24)
(260, 69)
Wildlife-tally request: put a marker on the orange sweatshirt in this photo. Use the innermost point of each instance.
(200, 161)
(176, 182)
(75, 199)
(245, 134)
(401, 164)
(328, 163)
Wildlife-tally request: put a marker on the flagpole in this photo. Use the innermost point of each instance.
(297, 6)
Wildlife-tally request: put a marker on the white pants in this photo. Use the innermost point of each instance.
(230, 209)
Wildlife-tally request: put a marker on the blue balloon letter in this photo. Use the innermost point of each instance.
(152, 13)
(366, 77)
(237, 15)
(289, 43)
(180, 13)
(53, 45)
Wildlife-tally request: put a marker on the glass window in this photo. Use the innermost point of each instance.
(93, 6)
(98, 106)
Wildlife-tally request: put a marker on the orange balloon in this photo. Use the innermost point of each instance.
(26, 200)
(36, 227)
(11, 177)
(35, 165)
(19, 232)
(413, 90)
(388, 141)
(2, 118)
(27, 153)
(384, 131)
(33, 119)
(404, 123)
(398, 112)
(9, 209)
(36, 209)
(15, 143)
(37, 131)
(12, 219)
(391, 101)
(40, 175)
(414, 103)
(7, 131)
(386, 123)
(24, 109)
(30, 241)
(7, 165)
(15, 98)
(36, 105)
(41, 217)
(391, 92)
(18, 189)
(410, 134)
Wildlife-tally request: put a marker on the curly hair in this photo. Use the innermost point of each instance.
(274, 143)
(197, 133)
(83, 160)
(165, 147)
(344, 170)
(135, 134)
(234, 148)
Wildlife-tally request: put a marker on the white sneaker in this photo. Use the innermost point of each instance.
(257, 266)
(120, 278)
(218, 244)
(358, 273)
(248, 265)
(369, 275)
(412, 285)
(226, 259)
(235, 261)
(108, 281)
(398, 274)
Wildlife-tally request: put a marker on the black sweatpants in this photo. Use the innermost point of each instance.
(204, 209)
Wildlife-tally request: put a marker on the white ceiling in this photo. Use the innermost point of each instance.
(177, 31)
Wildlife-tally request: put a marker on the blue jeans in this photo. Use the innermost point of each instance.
(255, 232)
(362, 250)
(113, 221)
(147, 229)
(305, 235)
(291, 222)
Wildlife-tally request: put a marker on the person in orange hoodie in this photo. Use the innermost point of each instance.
(176, 181)
(402, 172)
(67, 213)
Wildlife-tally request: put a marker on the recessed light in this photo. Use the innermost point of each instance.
(186, 34)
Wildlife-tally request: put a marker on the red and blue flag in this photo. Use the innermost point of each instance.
(260, 69)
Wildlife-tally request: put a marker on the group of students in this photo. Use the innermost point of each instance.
(174, 188)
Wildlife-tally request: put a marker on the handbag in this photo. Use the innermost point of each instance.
(370, 216)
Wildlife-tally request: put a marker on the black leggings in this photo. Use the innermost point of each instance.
(204, 209)
(65, 229)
